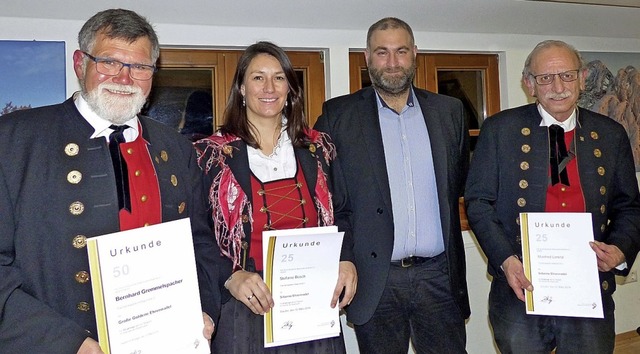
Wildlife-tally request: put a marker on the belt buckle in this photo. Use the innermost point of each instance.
(406, 262)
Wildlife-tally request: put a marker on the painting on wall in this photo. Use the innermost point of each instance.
(613, 89)
(32, 74)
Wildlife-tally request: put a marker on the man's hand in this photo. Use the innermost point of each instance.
(347, 281)
(514, 271)
(209, 327)
(90, 346)
(250, 289)
(609, 256)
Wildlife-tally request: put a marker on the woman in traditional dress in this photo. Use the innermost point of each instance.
(266, 170)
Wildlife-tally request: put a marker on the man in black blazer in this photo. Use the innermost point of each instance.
(518, 167)
(58, 187)
(402, 156)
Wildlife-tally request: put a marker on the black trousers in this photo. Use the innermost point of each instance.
(416, 306)
(517, 332)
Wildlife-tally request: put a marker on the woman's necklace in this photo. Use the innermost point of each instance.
(274, 141)
(277, 133)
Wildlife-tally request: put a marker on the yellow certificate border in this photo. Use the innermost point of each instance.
(98, 295)
(526, 257)
(268, 277)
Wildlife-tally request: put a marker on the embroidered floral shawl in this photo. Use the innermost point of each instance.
(228, 200)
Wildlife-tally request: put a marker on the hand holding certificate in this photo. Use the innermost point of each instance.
(561, 265)
(301, 269)
(145, 290)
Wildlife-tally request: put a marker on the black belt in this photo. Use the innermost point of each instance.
(410, 261)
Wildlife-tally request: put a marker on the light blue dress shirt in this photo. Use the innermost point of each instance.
(412, 181)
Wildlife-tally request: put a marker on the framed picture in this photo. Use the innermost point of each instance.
(33, 74)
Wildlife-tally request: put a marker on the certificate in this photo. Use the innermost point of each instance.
(145, 290)
(301, 270)
(561, 265)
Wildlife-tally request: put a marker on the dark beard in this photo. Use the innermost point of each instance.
(392, 86)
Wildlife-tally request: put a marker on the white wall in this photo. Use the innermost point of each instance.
(513, 50)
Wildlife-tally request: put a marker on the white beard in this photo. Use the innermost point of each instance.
(117, 109)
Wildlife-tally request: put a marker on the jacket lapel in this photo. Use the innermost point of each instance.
(438, 147)
(440, 156)
(239, 165)
(369, 123)
(308, 163)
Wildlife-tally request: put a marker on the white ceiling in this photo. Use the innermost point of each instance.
(468, 16)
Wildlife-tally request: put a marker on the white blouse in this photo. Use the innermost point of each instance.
(279, 165)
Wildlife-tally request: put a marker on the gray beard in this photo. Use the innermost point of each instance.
(117, 110)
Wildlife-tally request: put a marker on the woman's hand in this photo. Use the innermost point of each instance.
(250, 289)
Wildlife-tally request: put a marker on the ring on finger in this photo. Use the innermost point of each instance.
(250, 297)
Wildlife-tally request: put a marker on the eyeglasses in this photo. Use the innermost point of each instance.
(546, 79)
(112, 67)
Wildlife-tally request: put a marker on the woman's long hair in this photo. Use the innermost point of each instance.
(235, 114)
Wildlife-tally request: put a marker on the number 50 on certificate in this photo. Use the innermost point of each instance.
(145, 290)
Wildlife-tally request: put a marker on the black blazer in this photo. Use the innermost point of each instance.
(362, 199)
(509, 175)
(44, 306)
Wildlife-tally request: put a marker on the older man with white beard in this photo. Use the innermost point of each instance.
(87, 167)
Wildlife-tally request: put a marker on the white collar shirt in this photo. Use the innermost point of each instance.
(280, 164)
(548, 120)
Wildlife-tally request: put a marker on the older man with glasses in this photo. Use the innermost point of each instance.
(86, 167)
(552, 156)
